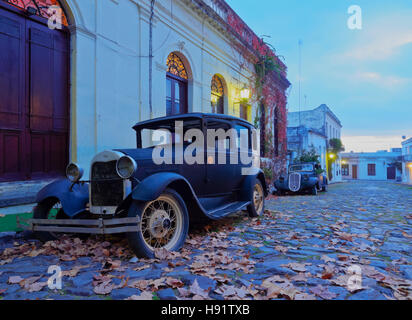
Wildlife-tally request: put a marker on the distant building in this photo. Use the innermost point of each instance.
(407, 161)
(314, 128)
(381, 165)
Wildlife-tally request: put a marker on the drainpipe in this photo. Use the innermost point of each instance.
(152, 5)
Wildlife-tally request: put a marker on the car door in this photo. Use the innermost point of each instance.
(219, 174)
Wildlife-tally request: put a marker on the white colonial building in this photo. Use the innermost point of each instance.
(407, 161)
(314, 129)
(112, 64)
(381, 165)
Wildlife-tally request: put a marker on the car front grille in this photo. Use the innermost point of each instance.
(107, 189)
(294, 182)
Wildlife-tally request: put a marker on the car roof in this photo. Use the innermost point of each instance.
(195, 115)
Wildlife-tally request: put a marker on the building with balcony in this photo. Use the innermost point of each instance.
(96, 68)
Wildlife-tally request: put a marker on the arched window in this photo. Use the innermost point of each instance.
(176, 86)
(217, 99)
(39, 8)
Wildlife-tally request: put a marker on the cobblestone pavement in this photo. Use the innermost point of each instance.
(353, 242)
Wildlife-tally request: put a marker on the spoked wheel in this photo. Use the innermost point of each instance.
(48, 209)
(164, 224)
(256, 208)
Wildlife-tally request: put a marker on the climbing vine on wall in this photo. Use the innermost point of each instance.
(267, 92)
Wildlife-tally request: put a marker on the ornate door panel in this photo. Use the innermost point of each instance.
(12, 96)
(34, 109)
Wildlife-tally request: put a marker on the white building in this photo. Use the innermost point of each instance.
(315, 128)
(379, 165)
(407, 161)
(115, 63)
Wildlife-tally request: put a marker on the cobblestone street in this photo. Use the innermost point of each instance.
(353, 242)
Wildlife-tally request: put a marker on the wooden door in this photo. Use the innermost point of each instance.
(34, 102)
(354, 172)
(391, 173)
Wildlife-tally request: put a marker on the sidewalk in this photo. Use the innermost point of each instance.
(20, 192)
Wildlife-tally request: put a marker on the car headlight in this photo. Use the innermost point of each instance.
(73, 172)
(126, 167)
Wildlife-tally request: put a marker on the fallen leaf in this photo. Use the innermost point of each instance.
(35, 287)
(15, 280)
(197, 290)
(323, 292)
(146, 295)
(104, 288)
(174, 283)
(327, 259)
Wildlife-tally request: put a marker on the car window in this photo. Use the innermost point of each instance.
(167, 133)
(301, 167)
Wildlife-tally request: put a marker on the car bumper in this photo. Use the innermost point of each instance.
(92, 226)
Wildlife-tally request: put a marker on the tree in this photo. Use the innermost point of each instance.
(308, 156)
(336, 146)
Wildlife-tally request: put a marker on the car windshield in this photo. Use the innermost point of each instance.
(301, 167)
(167, 133)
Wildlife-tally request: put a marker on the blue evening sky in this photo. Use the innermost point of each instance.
(364, 76)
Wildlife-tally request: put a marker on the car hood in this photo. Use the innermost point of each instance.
(138, 154)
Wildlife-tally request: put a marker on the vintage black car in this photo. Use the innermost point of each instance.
(129, 192)
(302, 177)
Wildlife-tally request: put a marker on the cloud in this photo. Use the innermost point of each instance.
(381, 39)
(382, 46)
(381, 80)
(370, 143)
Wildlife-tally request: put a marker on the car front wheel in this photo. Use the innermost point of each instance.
(257, 206)
(48, 209)
(164, 223)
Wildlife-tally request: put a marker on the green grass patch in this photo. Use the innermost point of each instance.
(9, 222)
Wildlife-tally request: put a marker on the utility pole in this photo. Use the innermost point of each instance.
(300, 80)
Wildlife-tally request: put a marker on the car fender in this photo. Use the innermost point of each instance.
(246, 190)
(153, 186)
(73, 199)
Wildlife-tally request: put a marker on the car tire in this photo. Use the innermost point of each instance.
(257, 205)
(314, 190)
(156, 219)
(43, 210)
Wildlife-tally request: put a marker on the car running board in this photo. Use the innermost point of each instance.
(92, 226)
(228, 209)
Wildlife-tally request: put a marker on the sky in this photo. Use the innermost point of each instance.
(364, 76)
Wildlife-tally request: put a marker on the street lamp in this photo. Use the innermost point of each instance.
(244, 93)
(332, 156)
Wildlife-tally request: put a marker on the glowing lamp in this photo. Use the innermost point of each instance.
(331, 156)
(245, 93)
(410, 165)
(214, 99)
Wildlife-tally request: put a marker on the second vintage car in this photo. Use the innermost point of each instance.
(153, 204)
(302, 177)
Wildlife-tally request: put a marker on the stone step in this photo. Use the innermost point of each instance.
(20, 192)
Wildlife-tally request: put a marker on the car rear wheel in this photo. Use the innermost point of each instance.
(164, 223)
(315, 190)
(257, 206)
(48, 209)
